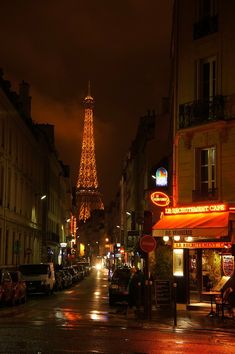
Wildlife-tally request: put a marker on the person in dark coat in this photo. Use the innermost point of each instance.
(136, 286)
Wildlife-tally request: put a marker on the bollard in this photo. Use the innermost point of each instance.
(174, 303)
(150, 299)
(146, 299)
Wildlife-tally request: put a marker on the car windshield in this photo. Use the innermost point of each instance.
(29, 269)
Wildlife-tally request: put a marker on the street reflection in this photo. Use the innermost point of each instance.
(97, 293)
(66, 315)
(99, 316)
(70, 317)
(39, 323)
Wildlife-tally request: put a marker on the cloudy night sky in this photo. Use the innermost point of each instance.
(121, 46)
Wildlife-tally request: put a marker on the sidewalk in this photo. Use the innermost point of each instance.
(163, 318)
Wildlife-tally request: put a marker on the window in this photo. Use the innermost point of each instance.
(205, 175)
(207, 8)
(207, 180)
(206, 19)
(208, 79)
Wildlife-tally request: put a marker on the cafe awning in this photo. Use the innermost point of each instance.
(214, 224)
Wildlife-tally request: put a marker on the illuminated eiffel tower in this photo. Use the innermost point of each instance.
(87, 192)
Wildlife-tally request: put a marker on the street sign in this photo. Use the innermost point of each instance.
(147, 243)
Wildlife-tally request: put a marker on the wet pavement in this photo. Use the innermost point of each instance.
(164, 319)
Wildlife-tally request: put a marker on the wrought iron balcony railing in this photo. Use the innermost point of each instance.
(210, 194)
(205, 111)
(205, 26)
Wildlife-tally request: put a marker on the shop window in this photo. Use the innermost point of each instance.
(211, 268)
(205, 173)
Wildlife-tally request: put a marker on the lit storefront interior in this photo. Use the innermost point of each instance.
(201, 238)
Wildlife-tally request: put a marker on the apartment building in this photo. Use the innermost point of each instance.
(33, 184)
(199, 222)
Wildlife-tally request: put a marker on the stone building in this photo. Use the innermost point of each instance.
(199, 223)
(33, 183)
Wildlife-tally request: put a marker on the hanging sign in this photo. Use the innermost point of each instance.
(160, 199)
(161, 177)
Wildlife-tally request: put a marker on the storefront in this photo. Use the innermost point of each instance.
(202, 241)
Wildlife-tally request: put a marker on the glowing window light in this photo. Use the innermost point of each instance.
(178, 262)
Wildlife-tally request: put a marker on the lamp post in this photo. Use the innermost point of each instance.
(63, 246)
(41, 205)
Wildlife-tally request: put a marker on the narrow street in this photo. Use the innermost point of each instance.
(80, 320)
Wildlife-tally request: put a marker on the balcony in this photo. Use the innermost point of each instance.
(205, 27)
(205, 111)
(199, 195)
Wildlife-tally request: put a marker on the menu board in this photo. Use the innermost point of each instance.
(162, 292)
(220, 285)
(228, 265)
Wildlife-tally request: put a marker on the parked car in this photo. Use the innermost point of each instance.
(118, 287)
(19, 288)
(39, 277)
(86, 266)
(6, 287)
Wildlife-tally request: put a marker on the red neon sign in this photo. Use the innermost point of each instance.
(160, 199)
(196, 209)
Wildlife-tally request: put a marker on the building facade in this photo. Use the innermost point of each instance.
(199, 224)
(32, 184)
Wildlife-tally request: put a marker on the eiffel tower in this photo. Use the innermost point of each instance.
(87, 192)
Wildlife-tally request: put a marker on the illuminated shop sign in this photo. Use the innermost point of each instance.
(161, 177)
(181, 245)
(160, 199)
(196, 209)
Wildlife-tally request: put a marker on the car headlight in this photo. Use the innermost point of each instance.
(98, 266)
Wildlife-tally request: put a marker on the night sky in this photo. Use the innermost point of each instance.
(121, 46)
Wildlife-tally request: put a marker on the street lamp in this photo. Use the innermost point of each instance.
(63, 246)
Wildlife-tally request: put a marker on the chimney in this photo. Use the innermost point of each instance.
(25, 99)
